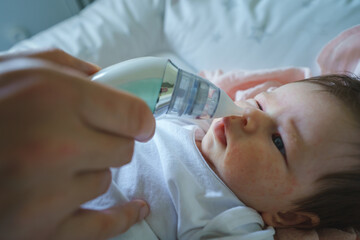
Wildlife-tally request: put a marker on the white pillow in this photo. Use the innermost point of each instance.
(205, 34)
(106, 32)
(232, 34)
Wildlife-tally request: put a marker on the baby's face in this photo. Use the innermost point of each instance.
(274, 154)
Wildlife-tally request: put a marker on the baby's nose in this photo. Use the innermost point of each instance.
(251, 120)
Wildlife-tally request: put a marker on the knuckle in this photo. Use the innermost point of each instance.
(105, 181)
(126, 156)
(123, 151)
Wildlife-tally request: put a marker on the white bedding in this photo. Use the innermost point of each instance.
(203, 34)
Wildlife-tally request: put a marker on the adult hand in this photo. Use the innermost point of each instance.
(59, 134)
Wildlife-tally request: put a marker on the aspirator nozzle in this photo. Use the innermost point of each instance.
(169, 90)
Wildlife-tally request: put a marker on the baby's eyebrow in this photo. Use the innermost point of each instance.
(295, 132)
(288, 128)
(294, 142)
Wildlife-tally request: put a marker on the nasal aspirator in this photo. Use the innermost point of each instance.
(167, 89)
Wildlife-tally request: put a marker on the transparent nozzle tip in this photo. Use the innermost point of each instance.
(227, 107)
(194, 97)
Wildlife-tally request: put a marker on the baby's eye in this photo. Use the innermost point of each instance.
(259, 105)
(279, 143)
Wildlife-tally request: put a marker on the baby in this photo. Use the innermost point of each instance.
(294, 154)
(291, 160)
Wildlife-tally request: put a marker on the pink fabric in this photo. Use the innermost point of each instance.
(240, 85)
(340, 55)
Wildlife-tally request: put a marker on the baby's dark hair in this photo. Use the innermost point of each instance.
(337, 201)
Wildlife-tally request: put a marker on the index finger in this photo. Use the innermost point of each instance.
(101, 107)
(116, 111)
(57, 56)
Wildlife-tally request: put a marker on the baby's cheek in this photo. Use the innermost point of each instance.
(278, 181)
(291, 187)
(272, 173)
(239, 169)
(261, 175)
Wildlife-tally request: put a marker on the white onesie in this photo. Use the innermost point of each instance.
(187, 199)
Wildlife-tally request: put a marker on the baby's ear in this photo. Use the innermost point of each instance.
(291, 219)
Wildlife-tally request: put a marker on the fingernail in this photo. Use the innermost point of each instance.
(144, 211)
(96, 67)
(92, 68)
